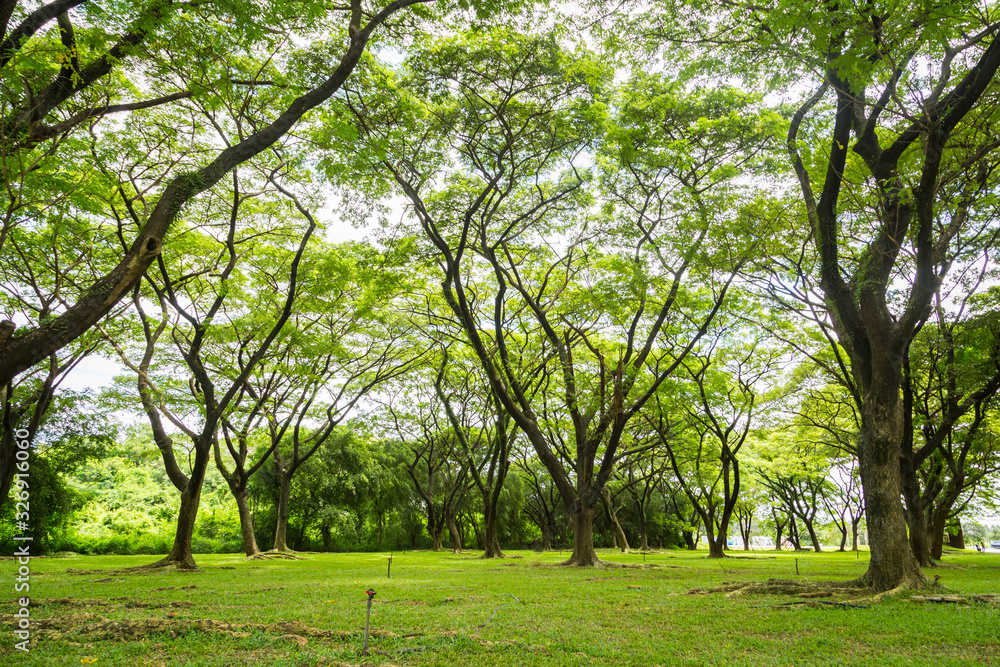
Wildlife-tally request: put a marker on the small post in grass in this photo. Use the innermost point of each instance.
(388, 570)
(370, 593)
(796, 566)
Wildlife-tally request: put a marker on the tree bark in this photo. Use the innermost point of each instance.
(491, 544)
(246, 520)
(812, 536)
(618, 535)
(892, 561)
(181, 554)
(584, 554)
(456, 537)
(284, 492)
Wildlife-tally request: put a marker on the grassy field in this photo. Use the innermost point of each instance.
(455, 610)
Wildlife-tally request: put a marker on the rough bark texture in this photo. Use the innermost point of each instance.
(181, 554)
(284, 491)
(892, 561)
(584, 554)
(618, 535)
(456, 536)
(491, 543)
(246, 521)
(957, 540)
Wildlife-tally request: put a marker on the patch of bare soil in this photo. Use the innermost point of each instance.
(805, 589)
(129, 603)
(274, 555)
(91, 626)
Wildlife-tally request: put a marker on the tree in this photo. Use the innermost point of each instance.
(196, 300)
(486, 445)
(704, 440)
(605, 304)
(54, 97)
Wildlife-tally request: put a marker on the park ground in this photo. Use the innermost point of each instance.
(456, 610)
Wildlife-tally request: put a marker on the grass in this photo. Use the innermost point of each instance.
(444, 609)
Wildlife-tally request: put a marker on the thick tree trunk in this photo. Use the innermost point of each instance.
(618, 539)
(584, 554)
(716, 546)
(957, 540)
(281, 529)
(892, 561)
(938, 527)
(643, 535)
(812, 536)
(181, 553)
(692, 544)
(436, 532)
(915, 515)
(491, 544)
(456, 537)
(854, 534)
(246, 520)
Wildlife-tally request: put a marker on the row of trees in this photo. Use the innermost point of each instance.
(616, 258)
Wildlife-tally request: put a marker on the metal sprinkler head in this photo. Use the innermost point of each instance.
(370, 593)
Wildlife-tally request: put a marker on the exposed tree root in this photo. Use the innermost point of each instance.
(780, 587)
(878, 597)
(161, 565)
(158, 566)
(274, 555)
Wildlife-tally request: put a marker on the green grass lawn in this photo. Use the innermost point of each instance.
(455, 610)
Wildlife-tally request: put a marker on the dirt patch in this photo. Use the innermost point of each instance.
(129, 603)
(779, 587)
(91, 626)
(274, 555)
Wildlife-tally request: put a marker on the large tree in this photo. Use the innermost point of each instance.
(894, 152)
(486, 139)
(70, 68)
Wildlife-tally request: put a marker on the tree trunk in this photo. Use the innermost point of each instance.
(643, 535)
(616, 528)
(284, 492)
(436, 540)
(957, 540)
(854, 534)
(456, 537)
(246, 520)
(8, 463)
(181, 553)
(491, 544)
(892, 561)
(692, 544)
(716, 546)
(584, 554)
(779, 529)
(915, 514)
(938, 526)
(812, 535)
